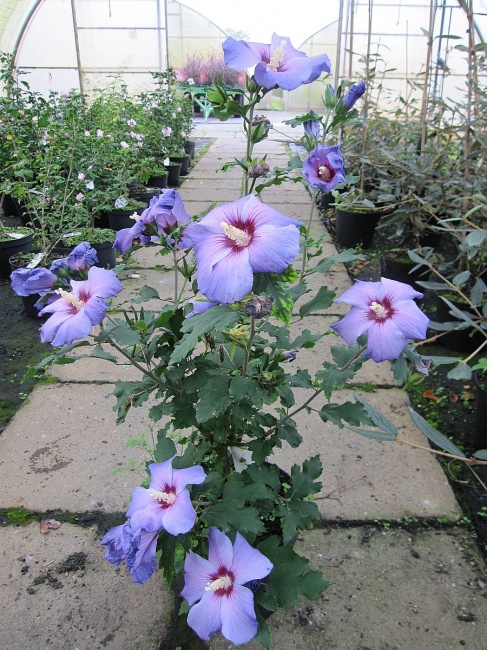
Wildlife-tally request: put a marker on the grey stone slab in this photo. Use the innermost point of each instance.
(393, 590)
(195, 184)
(365, 479)
(95, 370)
(62, 447)
(161, 280)
(97, 606)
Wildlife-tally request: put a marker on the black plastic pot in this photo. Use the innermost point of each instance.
(119, 219)
(11, 247)
(190, 147)
(480, 428)
(146, 194)
(173, 174)
(107, 255)
(355, 228)
(158, 181)
(184, 160)
(461, 340)
(325, 201)
(402, 271)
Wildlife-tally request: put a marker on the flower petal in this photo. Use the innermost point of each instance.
(145, 511)
(273, 249)
(239, 55)
(204, 617)
(142, 562)
(229, 280)
(353, 325)
(238, 619)
(188, 476)
(64, 327)
(220, 552)
(197, 574)
(385, 341)
(248, 563)
(409, 318)
(179, 517)
(161, 474)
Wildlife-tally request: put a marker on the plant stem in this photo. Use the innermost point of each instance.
(467, 461)
(308, 228)
(248, 349)
(176, 271)
(317, 392)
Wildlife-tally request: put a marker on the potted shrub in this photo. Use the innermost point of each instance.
(13, 239)
(357, 216)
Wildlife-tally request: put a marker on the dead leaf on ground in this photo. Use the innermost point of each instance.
(47, 525)
(429, 394)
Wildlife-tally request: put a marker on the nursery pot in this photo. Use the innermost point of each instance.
(173, 174)
(158, 181)
(402, 270)
(325, 201)
(480, 427)
(107, 255)
(190, 147)
(120, 219)
(10, 247)
(9, 206)
(146, 194)
(184, 160)
(461, 340)
(354, 228)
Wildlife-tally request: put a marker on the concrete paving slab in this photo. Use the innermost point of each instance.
(365, 479)
(390, 590)
(62, 447)
(96, 606)
(160, 280)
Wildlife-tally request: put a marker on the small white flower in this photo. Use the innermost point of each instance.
(81, 176)
(99, 133)
(131, 122)
(89, 185)
(190, 81)
(124, 145)
(87, 134)
(166, 132)
(80, 196)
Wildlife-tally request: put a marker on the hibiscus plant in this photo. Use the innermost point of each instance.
(216, 370)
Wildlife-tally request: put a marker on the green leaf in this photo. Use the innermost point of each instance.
(290, 576)
(263, 635)
(435, 436)
(351, 412)
(373, 434)
(377, 418)
(302, 379)
(481, 454)
(462, 371)
(214, 320)
(99, 353)
(246, 388)
(323, 300)
(231, 512)
(214, 399)
(146, 293)
(332, 378)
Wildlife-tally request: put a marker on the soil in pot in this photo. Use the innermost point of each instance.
(355, 228)
(17, 242)
(394, 266)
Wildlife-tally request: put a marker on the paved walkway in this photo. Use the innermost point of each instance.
(391, 588)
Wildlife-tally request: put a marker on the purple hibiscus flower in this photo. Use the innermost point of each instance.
(165, 213)
(386, 311)
(354, 92)
(137, 547)
(82, 257)
(25, 282)
(75, 313)
(323, 168)
(312, 127)
(166, 505)
(218, 584)
(236, 240)
(277, 64)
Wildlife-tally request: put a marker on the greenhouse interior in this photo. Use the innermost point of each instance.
(243, 324)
